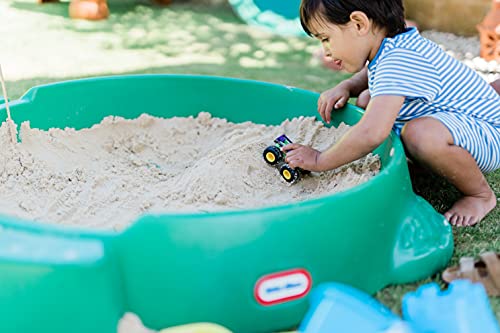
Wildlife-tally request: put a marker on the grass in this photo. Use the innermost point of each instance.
(42, 45)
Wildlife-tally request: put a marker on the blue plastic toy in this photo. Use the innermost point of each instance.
(338, 308)
(279, 16)
(463, 308)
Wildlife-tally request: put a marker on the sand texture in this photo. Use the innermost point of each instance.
(106, 176)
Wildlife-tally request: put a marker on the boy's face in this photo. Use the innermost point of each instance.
(344, 44)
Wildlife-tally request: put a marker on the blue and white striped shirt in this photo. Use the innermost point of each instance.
(432, 81)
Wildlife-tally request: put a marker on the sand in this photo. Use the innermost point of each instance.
(106, 176)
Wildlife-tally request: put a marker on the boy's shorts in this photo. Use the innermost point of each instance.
(480, 138)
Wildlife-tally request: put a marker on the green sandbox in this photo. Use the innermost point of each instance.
(249, 270)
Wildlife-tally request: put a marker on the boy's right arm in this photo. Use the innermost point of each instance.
(339, 95)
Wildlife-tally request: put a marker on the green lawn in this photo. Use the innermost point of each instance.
(40, 44)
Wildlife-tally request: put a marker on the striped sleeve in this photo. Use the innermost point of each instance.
(404, 72)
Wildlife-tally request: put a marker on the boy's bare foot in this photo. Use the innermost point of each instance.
(471, 209)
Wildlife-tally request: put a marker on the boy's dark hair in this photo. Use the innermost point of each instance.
(388, 14)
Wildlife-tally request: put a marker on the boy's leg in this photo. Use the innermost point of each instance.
(496, 85)
(430, 143)
(363, 99)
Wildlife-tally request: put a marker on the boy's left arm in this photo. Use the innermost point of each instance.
(372, 129)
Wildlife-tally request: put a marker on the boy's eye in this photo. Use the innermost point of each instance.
(324, 40)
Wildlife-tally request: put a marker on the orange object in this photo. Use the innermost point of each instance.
(489, 33)
(88, 9)
(93, 9)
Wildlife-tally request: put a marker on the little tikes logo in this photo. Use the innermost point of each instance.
(282, 286)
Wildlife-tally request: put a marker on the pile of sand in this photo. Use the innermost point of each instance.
(106, 176)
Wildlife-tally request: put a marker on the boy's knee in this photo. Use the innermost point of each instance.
(424, 135)
(413, 136)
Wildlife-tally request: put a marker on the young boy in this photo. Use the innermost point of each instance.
(447, 116)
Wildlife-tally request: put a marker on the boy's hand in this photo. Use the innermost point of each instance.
(332, 98)
(300, 156)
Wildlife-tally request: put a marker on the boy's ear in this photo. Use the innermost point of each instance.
(361, 22)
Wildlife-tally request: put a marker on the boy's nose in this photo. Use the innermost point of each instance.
(327, 52)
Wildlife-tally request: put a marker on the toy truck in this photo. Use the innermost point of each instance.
(275, 156)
